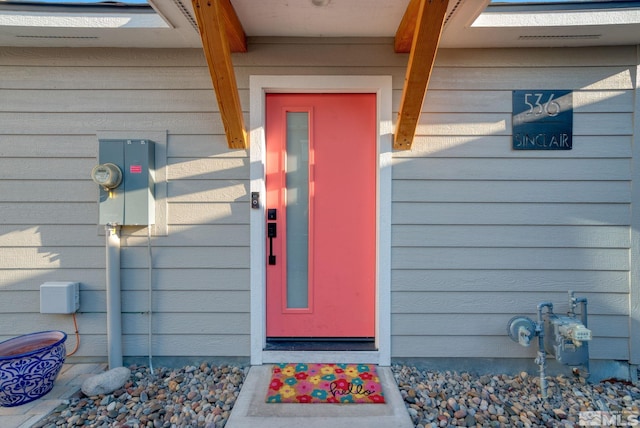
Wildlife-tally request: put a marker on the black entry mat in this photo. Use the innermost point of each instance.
(277, 344)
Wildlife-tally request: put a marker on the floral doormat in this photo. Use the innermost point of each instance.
(325, 383)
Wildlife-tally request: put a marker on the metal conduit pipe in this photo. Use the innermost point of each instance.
(114, 310)
(541, 360)
(573, 302)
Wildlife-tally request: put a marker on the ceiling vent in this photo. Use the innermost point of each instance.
(563, 37)
(187, 14)
(56, 37)
(453, 11)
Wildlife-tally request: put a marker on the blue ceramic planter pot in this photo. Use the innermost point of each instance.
(29, 364)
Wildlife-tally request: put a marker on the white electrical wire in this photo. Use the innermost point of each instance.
(150, 287)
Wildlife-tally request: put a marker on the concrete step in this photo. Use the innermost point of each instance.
(252, 411)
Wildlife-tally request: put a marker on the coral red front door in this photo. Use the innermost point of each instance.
(321, 167)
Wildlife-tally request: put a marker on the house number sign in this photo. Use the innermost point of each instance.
(542, 120)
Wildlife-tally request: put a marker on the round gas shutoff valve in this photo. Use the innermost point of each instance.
(107, 175)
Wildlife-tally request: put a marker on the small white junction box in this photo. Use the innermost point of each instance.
(59, 297)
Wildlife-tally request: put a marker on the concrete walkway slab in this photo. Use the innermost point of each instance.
(66, 385)
(252, 411)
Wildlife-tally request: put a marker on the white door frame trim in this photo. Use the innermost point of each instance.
(382, 87)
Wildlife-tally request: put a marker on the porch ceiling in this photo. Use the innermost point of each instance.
(512, 26)
(419, 34)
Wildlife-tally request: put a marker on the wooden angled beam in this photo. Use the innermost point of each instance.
(406, 29)
(210, 15)
(426, 38)
(235, 33)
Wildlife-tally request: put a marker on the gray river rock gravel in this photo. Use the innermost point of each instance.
(191, 396)
(444, 399)
(204, 395)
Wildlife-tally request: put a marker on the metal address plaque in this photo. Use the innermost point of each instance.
(542, 120)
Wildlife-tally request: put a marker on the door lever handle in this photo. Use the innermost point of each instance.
(272, 232)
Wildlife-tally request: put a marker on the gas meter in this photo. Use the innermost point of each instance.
(565, 337)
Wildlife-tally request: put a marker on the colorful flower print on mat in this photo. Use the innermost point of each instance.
(304, 387)
(351, 371)
(301, 375)
(324, 383)
(291, 381)
(377, 398)
(274, 399)
(304, 398)
(289, 371)
(320, 394)
(366, 376)
(340, 384)
(371, 385)
(287, 392)
(327, 370)
(315, 379)
(275, 384)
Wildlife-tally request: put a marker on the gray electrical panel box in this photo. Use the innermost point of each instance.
(59, 297)
(130, 202)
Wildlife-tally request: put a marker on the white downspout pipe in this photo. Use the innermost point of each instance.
(114, 310)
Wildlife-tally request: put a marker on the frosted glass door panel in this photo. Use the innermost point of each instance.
(297, 200)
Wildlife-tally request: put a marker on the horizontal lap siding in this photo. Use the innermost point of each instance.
(54, 102)
(482, 232)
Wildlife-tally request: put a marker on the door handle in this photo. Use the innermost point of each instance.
(272, 232)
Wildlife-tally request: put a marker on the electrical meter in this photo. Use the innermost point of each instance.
(125, 174)
(107, 175)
